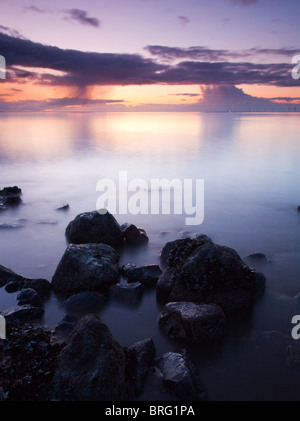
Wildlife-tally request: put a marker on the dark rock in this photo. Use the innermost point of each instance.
(192, 322)
(86, 267)
(17, 282)
(40, 285)
(134, 235)
(29, 296)
(147, 275)
(126, 267)
(63, 329)
(10, 196)
(128, 293)
(298, 209)
(91, 366)
(181, 376)
(63, 207)
(22, 313)
(168, 247)
(12, 286)
(203, 272)
(10, 226)
(83, 301)
(7, 275)
(92, 227)
(141, 356)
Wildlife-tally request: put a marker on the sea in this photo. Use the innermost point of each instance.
(248, 171)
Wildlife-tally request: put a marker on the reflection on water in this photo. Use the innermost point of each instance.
(249, 163)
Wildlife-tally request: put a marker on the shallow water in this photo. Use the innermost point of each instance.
(250, 166)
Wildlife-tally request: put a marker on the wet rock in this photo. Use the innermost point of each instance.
(63, 329)
(63, 207)
(10, 196)
(192, 322)
(127, 293)
(201, 271)
(15, 282)
(29, 296)
(91, 366)
(134, 235)
(92, 227)
(181, 377)
(83, 301)
(10, 226)
(147, 275)
(22, 313)
(140, 357)
(86, 267)
(165, 253)
(126, 267)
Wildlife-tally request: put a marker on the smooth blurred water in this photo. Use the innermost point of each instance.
(250, 166)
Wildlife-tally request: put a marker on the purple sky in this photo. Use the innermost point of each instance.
(134, 54)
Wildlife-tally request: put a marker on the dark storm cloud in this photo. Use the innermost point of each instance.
(82, 17)
(82, 69)
(208, 54)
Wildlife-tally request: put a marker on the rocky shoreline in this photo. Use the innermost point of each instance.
(200, 284)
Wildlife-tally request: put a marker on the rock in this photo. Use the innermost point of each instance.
(203, 272)
(10, 226)
(298, 209)
(86, 267)
(10, 196)
(63, 329)
(126, 267)
(84, 301)
(40, 285)
(191, 322)
(128, 293)
(92, 227)
(134, 235)
(147, 275)
(12, 286)
(29, 296)
(165, 253)
(181, 376)
(63, 207)
(141, 356)
(15, 282)
(91, 366)
(22, 313)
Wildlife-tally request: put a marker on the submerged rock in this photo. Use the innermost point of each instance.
(147, 275)
(134, 235)
(86, 267)
(92, 227)
(63, 207)
(10, 196)
(91, 366)
(83, 301)
(127, 293)
(192, 322)
(201, 271)
(181, 377)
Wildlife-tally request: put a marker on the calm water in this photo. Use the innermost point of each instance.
(250, 166)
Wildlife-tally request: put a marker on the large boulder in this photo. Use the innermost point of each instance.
(91, 366)
(93, 227)
(22, 313)
(201, 271)
(181, 377)
(86, 267)
(192, 322)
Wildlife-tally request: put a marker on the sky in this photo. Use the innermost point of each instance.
(150, 55)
